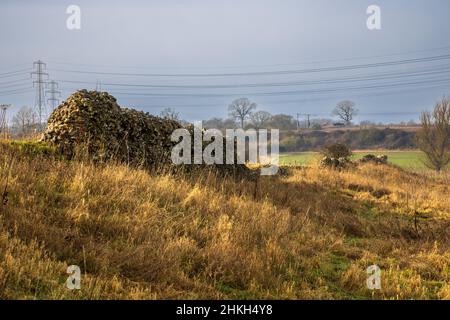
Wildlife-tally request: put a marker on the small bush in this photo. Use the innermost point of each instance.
(337, 150)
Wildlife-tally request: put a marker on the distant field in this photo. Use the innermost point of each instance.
(405, 159)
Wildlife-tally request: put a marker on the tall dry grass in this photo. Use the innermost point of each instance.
(309, 234)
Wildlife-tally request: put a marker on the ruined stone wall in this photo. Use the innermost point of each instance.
(93, 122)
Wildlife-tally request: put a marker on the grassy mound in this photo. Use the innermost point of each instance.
(309, 234)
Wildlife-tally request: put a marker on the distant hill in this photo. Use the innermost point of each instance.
(370, 138)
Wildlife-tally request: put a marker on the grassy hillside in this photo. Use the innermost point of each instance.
(356, 138)
(309, 234)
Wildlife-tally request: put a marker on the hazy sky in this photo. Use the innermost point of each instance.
(123, 44)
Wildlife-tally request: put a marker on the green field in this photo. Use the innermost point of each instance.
(405, 159)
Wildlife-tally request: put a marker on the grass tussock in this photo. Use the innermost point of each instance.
(310, 234)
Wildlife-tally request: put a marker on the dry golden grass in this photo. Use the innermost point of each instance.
(310, 234)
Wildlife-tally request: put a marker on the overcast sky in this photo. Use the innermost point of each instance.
(133, 40)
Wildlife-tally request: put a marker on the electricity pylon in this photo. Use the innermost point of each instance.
(54, 94)
(39, 83)
(3, 120)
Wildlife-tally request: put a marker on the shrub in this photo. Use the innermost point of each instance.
(337, 150)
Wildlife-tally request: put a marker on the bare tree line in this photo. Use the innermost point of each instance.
(25, 122)
(242, 111)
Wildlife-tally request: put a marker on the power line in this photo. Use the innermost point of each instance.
(118, 92)
(260, 66)
(39, 84)
(15, 85)
(14, 81)
(268, 73)
(296, 101)
(15, 66)
(419, 74)
(14, 74)
(18, 90)
(381, 76)
(292, 92)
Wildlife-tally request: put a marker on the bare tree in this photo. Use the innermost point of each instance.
(260, 119)
(241, 109)
(346, 111)
(24, 120)
(169, 113)
(434, 137)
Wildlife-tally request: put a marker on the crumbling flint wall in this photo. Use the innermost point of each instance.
(91, 122)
